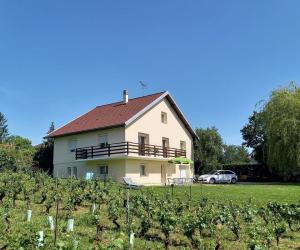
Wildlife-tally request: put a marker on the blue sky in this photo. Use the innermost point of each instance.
(59, 59)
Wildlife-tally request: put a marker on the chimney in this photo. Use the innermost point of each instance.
(125, 96)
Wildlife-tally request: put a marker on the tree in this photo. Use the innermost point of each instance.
(234, 154)
(51, 129)
(8, 157)
(281, 121)
(208, 150)
(19, 142)
(24, 151)
(3, 128)
(254, 136)
(44, 154)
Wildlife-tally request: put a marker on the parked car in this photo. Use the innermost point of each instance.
(219, 176)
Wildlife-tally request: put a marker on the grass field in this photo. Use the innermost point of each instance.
(259, 193)
(84, 232)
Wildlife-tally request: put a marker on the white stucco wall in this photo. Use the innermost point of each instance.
(153, 171)
(157, 173)
(63, 157)
(150, 123)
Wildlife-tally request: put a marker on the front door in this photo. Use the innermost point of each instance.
(182, 170)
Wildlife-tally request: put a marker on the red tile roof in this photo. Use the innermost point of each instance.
(109, 115)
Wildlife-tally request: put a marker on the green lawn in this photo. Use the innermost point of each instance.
(259, 193)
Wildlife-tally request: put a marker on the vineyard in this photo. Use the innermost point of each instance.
(38, 212)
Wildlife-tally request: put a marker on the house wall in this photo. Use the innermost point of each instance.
(154, 171)
(116, 168)
(63, 158)
(150, 123)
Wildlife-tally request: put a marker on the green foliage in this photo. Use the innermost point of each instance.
(8, 158)
(274, 132)
(44, 153)
(16, 153)
(235, 154)
(157, 220)
(254, 136)
(19, 142)
(254, 133)
(3, 128)
(281, 119)
(209, 148)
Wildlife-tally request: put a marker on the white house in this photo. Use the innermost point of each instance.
(134, 138)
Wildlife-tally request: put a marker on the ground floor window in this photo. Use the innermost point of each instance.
(72, 171)
(103, 172)
(103, 169)
(142, 170)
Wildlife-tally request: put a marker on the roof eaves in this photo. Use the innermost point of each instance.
(84, 131)
(183, 118)
(49, 135)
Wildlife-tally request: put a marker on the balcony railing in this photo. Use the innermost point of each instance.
(127, 148)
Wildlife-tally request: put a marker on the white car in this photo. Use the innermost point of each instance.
(219, 176)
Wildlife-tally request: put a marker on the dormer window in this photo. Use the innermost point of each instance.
(164, 117)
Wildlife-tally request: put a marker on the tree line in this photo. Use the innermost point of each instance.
(18, 153)
(272, 133)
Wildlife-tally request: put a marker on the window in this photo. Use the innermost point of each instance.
(165, 145)
(182, 145)
(143, 141)
(72, 171)
(164, 117)
(103, 141)
(142, 170)
(72, 145)
(69, 171)
(103, 170)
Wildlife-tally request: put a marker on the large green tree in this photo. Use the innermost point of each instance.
(234, 154)
(19, 142)
(3, 128)
(44, 154)
(209, 149)
(16, 153)
(281, 121)
(254, 136)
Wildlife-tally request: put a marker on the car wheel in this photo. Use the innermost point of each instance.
(233, 180)
(212, 181)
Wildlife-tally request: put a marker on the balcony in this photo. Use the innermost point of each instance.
(129, 149)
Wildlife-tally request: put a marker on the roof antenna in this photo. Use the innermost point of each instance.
(143, 85)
